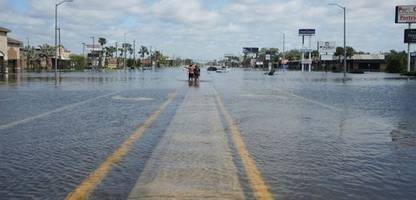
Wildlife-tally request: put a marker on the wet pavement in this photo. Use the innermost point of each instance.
(310, 135)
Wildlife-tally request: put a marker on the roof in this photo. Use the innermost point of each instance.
(368, 57)
(2, 29)
(14, 41)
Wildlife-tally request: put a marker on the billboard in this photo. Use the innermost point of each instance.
(307, 31)
(305, 50)
(326, 47)
(327, 57)
(410, 36)
(406, 14)
(96, 47)
(247, 50)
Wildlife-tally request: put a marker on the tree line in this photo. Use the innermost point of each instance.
(396, 61)
(41, 57)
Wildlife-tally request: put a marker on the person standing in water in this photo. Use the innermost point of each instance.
(191, 69)
(197, 72)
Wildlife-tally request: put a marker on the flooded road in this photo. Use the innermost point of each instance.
(308, 135)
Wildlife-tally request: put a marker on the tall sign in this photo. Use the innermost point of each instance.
(410, 36)
(306, 62)
(326, 47)
(305, 31)
(247, 50)
(406, 14)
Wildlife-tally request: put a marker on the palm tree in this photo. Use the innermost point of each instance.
(102, 42)
(143, 51)
(30, 56)
(109, 51)
(47, 52)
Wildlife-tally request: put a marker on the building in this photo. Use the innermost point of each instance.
(9, 52)
(64, 54)
(368, 62)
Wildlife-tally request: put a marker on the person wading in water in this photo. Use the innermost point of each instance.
(191, 72)
(197, 72)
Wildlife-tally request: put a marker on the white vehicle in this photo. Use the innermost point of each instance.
(223, 70)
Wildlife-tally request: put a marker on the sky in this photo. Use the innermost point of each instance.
(206, 29)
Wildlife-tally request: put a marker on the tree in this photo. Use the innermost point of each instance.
(339, 51)
(315, 54)
(143, 51)
(293, 55)
(46, 54)
(102, 42)
(109, 51)
(30, 55)
(350, 52)
(78, 61)
(396, 61)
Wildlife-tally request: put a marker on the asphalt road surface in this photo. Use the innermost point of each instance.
(235, 135)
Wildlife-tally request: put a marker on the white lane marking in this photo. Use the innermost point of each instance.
(383, 124)
(262, 95)
(11, 124)
(118, 97)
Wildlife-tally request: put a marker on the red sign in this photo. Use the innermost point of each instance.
(406, 14)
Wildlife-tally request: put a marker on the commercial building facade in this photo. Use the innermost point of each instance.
(9, 52)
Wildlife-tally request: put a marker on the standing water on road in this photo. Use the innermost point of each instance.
(310, 135)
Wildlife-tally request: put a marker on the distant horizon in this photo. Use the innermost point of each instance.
(206, 29)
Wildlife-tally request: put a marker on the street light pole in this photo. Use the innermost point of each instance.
(124, 49)
(59, 44)
(83, 49)
(56, 37)
(56, 41)
(345, 45)
(345, 28)
(134, 53)
(408, 52)
(283, 52)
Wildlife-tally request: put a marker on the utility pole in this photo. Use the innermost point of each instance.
(283, 52)
(151, 57)
(56, 39)
(59, 44)
(27, 54)
(408, 52)
(345, 46)
(92, 52)
(134, 52)
(124, 49)
(117, 54)
(56, 47)
(345, 28)
(83, 49)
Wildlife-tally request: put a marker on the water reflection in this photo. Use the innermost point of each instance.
(193, 83)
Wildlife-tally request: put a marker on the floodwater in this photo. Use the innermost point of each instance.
(311, 135)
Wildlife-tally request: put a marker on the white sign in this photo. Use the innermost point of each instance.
(307, 61)
(305, 50)
(267, 56)
(406, 14)
(95, 47)
(327, 57)
(326, 47)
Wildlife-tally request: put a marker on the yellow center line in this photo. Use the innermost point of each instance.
(83, 190)
(256, 181)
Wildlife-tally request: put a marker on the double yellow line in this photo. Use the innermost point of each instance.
(256, 181)
(254, 176)
(84, 189)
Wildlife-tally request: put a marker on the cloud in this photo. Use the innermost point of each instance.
(206, 29)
